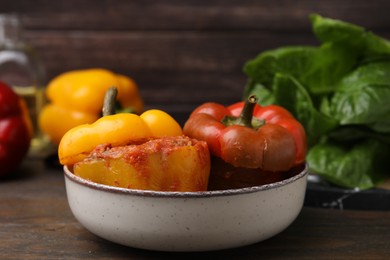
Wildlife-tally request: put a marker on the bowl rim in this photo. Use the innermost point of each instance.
(179, 194)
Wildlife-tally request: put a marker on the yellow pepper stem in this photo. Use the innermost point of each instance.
(109, 101)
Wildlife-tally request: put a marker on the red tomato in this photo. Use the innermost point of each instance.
(277, 145)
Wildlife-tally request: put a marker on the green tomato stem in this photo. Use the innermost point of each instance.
(246, 115)
(109, 101)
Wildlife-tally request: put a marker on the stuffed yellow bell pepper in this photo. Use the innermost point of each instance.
(76, 97)
(146, 152)
(116, 130)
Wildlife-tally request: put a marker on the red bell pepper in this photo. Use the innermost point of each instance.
(15, 130)
(248, 135)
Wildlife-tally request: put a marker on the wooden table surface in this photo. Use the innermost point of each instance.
(36, 223)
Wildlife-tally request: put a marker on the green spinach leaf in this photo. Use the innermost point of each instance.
(363, 97)
(292, 61)
(362, 166)
(355, 37)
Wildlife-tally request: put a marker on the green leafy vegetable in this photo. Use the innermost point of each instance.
(340, 92)
(361, 165)
(362, 97)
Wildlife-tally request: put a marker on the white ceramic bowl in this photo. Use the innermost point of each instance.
(186, 221)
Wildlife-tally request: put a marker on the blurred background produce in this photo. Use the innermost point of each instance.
(76, 97)
(15, 130)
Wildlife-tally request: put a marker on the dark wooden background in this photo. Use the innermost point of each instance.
(181, 53)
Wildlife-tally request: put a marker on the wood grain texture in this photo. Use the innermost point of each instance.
(181, 53)
(192, 14)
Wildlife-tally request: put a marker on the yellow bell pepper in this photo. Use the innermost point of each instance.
(115, 130)
(76, 98)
